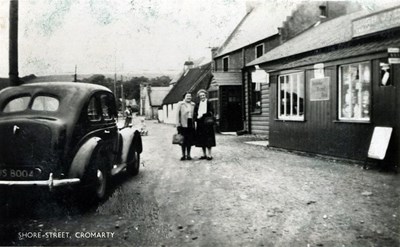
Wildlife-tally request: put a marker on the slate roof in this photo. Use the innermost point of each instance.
(262, 22)
(195, 79)
(333, 32)
(351, 50)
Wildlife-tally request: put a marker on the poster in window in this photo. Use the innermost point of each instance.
(319, 89)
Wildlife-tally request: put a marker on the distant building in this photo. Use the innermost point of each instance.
(151, 101)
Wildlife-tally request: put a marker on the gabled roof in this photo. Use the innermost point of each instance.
(262, 22)
(157, 95)
(195, 79)
(333, 32)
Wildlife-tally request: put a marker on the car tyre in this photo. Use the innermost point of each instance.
(94, 183)
(133, 163)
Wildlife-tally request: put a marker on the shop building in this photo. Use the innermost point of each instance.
(333, 85)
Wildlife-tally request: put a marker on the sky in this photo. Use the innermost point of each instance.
(122, 36)
(126, 36)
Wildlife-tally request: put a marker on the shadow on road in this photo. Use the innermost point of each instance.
(41, 204)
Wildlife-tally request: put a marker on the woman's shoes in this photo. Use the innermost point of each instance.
(209, 158)
(186, 158)
(203, 157)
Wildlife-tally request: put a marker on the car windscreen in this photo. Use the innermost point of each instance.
(17, 104)
(45, 103)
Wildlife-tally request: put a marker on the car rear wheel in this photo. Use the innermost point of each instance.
(133, 165)
(94, 183)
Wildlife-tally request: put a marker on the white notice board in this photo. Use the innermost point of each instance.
(379, 142)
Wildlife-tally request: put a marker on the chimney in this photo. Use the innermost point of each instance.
(214, 52)
(188, 65)
(323, 12)
(250, 5)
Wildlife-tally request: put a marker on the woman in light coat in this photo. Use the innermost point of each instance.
(185, 124)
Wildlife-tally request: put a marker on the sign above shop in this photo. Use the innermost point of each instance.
(259, 76)
(379, 142)
(377, 22)
(394, 55)
(319, 89)
(319, 70)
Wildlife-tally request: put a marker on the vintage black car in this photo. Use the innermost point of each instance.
(64, 135)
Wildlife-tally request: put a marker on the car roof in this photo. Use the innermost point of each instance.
(72, 95)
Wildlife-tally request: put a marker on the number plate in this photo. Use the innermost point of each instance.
(20, 173)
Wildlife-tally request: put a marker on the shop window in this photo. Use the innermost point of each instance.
(256, 97)
(354, 91)
(385, 77)
(225, 63)
(291, 97)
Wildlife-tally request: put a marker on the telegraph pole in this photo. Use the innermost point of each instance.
(75, 75)
(13, 44)
(122, 94)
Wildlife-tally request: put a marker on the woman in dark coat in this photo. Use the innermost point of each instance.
(205, 134)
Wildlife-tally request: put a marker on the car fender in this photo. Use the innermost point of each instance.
(131, 139)
(82, 158)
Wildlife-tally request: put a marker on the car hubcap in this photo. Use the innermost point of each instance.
(101, 183)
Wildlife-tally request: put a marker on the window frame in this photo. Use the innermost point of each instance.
(255, 110)
(262, 52)
(44, 95)
(291, 117)
(97, 107)
(226, 58)
(14, 98)
(339, 102)
(108, 102)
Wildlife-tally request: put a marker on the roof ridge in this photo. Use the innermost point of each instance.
(200, 79)
(229, 38)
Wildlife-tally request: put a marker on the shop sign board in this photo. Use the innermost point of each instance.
(393, 55)
(376, 22)
(319, 89)
(379, 142)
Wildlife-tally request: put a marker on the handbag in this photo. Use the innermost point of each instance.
(177, 139)
(209, 121)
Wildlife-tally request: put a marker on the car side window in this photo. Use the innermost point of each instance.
(93, 111)
(107, 107)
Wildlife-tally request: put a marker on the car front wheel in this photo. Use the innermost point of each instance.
(133, 165)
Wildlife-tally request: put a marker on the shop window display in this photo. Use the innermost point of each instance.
(291, 97)
(354, 92)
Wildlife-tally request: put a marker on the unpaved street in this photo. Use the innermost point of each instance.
(247, 196)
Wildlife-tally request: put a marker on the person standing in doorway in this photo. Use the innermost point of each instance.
(185, 124)
(205, 134)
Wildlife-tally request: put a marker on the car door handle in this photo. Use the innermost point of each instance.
(106, 132)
